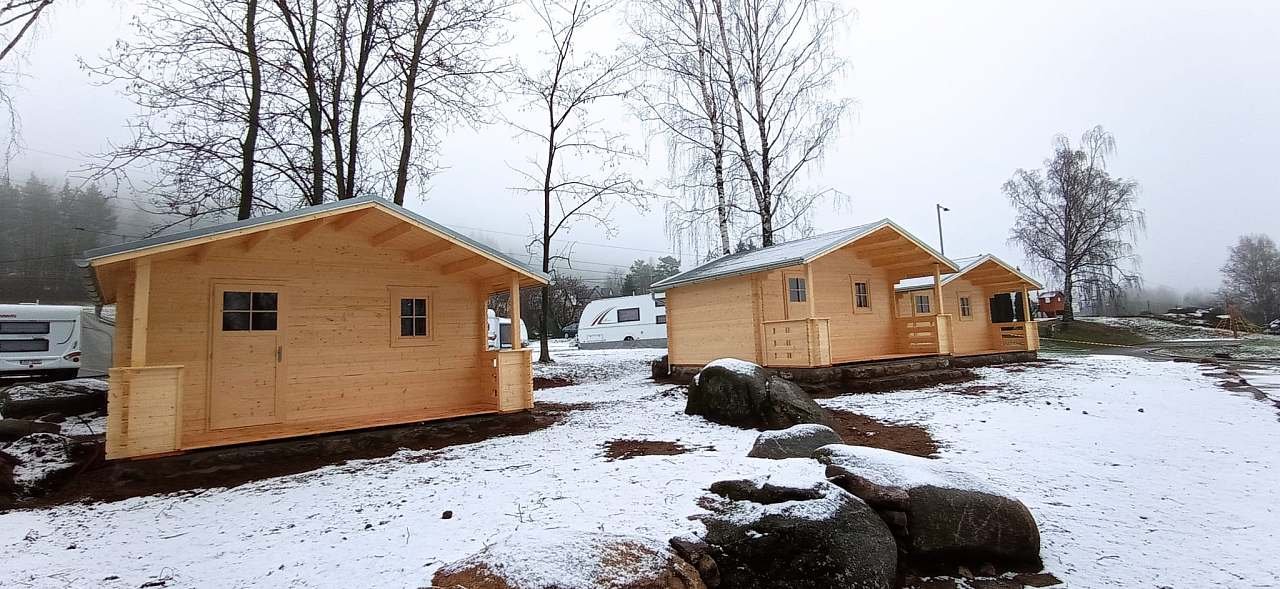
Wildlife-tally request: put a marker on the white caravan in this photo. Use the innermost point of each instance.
(40, 339)
(638, 321)
(502, 326)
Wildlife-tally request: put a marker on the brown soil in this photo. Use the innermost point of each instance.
(624, 449)
(233, 466)
(550, 382)
(860, 430)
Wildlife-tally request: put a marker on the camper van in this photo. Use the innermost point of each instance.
(638, 321)
(501, 327)
(40, 339)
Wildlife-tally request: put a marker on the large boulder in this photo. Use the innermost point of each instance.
(42, 462)
(796, 533)
(13, 429)
(739, 393)
(940, 515)
(570, 560)
(797, 441)
(68, 397)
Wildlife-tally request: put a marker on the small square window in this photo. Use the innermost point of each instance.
(662, 319)
(796, 291)
(249, 311)
(413, 317)
(922, 305)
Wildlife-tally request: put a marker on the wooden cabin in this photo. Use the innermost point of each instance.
(819, 301)
(347, 315)
(1051, 304)
(987, 303)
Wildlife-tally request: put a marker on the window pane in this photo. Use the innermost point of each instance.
(406, 326)
(24, 327)
(235, 321)
(660, 302)
(419, 307)
(264, 321)
(662, 319)
(235, 301)
(24, 345)
(406, 308)
(420, 326)
(264, 301)
(625, 315)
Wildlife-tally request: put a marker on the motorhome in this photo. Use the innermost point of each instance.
(638, 321)
(501, 327)
(40, 339)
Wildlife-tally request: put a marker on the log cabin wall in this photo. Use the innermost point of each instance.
(339, 369)
(711, 320)
(854, 333)
(971, 334)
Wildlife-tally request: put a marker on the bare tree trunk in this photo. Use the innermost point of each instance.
(342, 35)
(249, 146)
(358, 93)
(544, 348)
(410, 89)
(302, 33)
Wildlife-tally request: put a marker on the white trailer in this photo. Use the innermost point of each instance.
(40, 339)
(638, 321)
(500, 327)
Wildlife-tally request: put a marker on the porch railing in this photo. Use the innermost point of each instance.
(923, 335)
(797, 343)
(1022, 335)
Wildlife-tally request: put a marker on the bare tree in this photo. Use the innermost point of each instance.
(564, 91)
(1251, 276)
(779, 65)
(18, 20)
(1075, 220)
(687, 99)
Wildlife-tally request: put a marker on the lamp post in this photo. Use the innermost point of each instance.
(942, 248)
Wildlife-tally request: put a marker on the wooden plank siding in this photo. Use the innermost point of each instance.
(853, 335)
(712, 320)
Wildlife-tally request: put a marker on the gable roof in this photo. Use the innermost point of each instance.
(791, 253)
(918, 284)
(161, 243)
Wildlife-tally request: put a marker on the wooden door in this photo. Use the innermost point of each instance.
(796, 293)
(247, 351)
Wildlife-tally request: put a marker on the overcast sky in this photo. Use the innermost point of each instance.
(951, 98)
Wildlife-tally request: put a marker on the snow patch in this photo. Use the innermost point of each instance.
(43, 390)
(38, 456)
(802, 430)
(892, 469)
(556, 560)
(734, 365)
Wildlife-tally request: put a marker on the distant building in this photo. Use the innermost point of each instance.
(1052, 303)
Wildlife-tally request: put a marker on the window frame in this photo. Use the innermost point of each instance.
(660, 319)
(964, 302)
(618, 315)
(854, 281)
(251, 312)
(395, 294)
(926, 308)
(803, 289)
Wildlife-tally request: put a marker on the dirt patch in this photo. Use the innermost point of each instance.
(234, 466)
(624, 449)
(859, 430)
(550, 382)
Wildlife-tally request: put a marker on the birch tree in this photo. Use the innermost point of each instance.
(1075, 220)
(578, 173)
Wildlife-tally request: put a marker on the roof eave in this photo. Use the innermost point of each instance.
(668, 284)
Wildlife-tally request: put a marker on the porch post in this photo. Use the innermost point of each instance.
(515, 315)
(937, 289)
(810, 292)
(141, 305)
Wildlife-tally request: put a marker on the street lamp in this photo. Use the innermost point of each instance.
(942, 248)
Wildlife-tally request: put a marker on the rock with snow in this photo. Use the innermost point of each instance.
(12, 429)
(68, 397)
(42, 462)
(796, 533)
(797, 441)
(660, 369)
(570, 560)
(951, 517)
(735, 392)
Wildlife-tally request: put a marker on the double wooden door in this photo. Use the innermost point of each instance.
(246, 354)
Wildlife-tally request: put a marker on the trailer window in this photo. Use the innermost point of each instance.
(796, 290)
(662, 319)
(249, 311)
(23, 327)
(628, 315)
(24, 345)
(659, 302)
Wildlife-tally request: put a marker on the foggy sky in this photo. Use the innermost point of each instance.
(951, 98)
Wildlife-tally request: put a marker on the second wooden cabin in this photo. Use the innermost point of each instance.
(832, 299)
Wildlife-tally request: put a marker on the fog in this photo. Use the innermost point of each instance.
(950, 97)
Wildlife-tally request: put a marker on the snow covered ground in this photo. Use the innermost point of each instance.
(1159, 330)
(1141, 473)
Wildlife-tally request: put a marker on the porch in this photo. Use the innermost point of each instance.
(795, 343)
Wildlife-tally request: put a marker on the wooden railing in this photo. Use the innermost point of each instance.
(797, 343)
(143, 410)
(511, 378)
(1021, 335)
(923, 335)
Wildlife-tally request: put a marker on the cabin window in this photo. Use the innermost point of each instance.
(966, 308)
(24, 327)
(413, 317)
(796, 290)
(861, 296)
(662, 319)
(922, 305)
(249, 311)
(628, 315)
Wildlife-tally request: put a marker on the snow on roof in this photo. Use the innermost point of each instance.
(782, 255)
